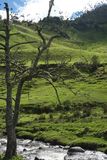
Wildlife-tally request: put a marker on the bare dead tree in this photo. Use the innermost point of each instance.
(17, 74)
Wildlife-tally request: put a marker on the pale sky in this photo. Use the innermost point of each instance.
(36, 9)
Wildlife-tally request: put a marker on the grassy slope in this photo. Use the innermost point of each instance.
(59, 50)
(60, 127)
(93, 43)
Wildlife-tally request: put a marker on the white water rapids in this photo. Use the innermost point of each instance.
(44, 151)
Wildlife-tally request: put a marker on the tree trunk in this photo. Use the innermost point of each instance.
(10, 130)
(11, 137)
(17, 103)
(11, 144)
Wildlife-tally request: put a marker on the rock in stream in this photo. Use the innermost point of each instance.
(34, 150)
(77, 153)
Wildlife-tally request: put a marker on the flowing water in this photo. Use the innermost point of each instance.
(44, 151)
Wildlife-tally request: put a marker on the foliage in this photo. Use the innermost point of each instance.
(14, 158)
(93, 19)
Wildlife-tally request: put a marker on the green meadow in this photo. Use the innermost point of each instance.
(81, 119)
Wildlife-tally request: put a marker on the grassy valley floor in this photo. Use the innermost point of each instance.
(81, 120)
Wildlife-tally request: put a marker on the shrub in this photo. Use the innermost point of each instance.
(17, 158)
(51, 116)
(88, 67)
(104, 108)
(67, 105)
(14, 158)
(61, 116)
(86, 112)
(77, 114)
(88, 144)
(37, 108)
(25, 135)
(95, 62)
(42, 117)
(59, 107)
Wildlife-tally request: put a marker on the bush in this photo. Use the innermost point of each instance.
(104, 134)
(17, 158)
(51, 116)
(37, 108)
(77, 114)
(95, 63)
(25, 135)
(83, 132)
(104, 108)
(88, 144)
(14, 158)
(42, 117)
(67, 105)
(88, 67)
(61, 117)
(59, 107)
(86, 112)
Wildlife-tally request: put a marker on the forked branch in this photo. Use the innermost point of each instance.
(2, 36)
(2, 48)
(14, 34)
(39, 30)
(2, 45)
(1, 98)
(22, 43)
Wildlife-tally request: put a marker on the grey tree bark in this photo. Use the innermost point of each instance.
(10, 130)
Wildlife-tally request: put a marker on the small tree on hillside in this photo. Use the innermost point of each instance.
(16, 74)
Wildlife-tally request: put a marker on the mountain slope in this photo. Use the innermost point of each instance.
(88, 43)
(96, 19)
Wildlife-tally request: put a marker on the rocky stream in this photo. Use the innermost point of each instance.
(34, 150)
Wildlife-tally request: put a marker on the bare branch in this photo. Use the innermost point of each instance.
(4, 99)
(41, 50)
(14, 34)
(51, 39)
(2, 30)
(1, 44)
(13, 99)
(17, 67)
(2, 48)
(2, 36)
(51, 3)
(1, 98)
(22, 43)
(41, 35)
(70, 88)
(49, 79)
(56, 91)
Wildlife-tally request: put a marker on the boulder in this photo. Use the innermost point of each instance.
(73, 150)
(24, 150)
(36, 158)
(87, 155)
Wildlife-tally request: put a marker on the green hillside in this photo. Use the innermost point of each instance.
(81, 47)
(96, 18)
(81, 119)
(80, 44)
